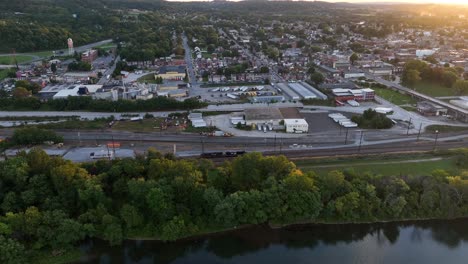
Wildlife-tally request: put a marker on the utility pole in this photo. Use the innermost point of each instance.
(409, 125)
(113, 146)
(346, 138)
(108, 152)
(419, 132)
(15, 61)
(275, 144)
(281, 145)
(360, 141)
(202, 145)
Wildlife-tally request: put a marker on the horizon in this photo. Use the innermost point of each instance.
(440, 2)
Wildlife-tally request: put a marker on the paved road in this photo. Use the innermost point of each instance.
(87, 115)
(109, 71)
(189, 61)
(65, 51)
(417, 94)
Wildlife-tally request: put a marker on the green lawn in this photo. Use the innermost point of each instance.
(3, 74)
(434, 90)
(41, 53)
(107, 46)
(395, 97)
(386, 167)
(19, 58)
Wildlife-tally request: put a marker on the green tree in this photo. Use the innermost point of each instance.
(21, 92)
(11, 251)
(411, 77)
(449, 78)
(461, 87)
(317, 78)
(353, 58)
(131, 216)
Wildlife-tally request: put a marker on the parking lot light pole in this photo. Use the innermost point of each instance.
(436, 137)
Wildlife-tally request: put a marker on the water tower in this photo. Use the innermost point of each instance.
(71, 50)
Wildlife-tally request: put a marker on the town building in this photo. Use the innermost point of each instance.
(430, 109)
(171, 73)
(89, 56)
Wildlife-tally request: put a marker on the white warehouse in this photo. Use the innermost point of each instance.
(296, 126)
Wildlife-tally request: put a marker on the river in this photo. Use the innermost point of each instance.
(421, 242)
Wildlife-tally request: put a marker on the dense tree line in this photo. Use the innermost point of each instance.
(417, 71)
(373, 120)
(79, 66)
(48, 203)
(87, 103)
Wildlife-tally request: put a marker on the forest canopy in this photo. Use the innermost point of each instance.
(47, 203)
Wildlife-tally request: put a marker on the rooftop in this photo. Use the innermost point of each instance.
(295, 122)
(263, 114)
(166, 69)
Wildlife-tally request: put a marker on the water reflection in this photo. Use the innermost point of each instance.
(408, 242)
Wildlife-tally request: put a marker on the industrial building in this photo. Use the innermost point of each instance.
(317, 93)
(344, 95)
(283, 88)
(263, 115)
(62, 91)
(302, 91)
(172, 73)
(197, 120)
(296, 125)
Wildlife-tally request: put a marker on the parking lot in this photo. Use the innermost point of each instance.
(320, 122)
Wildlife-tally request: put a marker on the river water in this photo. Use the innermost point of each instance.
(410, 242)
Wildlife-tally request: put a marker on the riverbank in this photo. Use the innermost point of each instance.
(441, 241)
(277, 226)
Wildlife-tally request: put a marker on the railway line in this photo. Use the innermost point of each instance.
(403, 148)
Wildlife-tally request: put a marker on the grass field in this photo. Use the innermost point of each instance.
(444, 129)
(145, 125)
(395, 97)
(19, 58)
(396, 166)
(434, 90)
(149, 78)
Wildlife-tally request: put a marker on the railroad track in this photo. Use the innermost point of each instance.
(403, 148)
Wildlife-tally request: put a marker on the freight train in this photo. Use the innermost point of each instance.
(226, 154)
